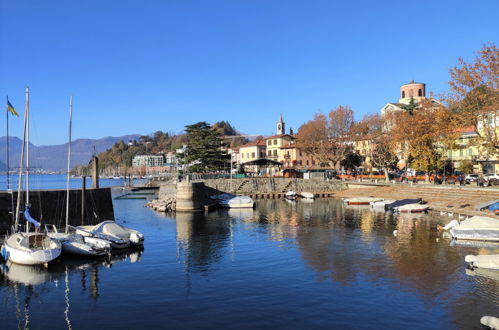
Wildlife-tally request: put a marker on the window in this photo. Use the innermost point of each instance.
(270, 153)
(242, 155)
(287, 152)
(300, 153)
(275, 153)
(470, 152)
(313, 162)
(252, 155)
(275, 141)
(307, 162)
(403, 94)
(300, 162)
(269, 142)
(461, 152)
(420, 92)
(262, 154)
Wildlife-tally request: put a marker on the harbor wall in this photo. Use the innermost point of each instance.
(49, 207)
(272, 185)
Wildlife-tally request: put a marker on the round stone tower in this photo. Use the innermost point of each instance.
(413, 89)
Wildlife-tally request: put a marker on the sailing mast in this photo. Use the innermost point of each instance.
(69, 161)
(20, 182)
(27, 161)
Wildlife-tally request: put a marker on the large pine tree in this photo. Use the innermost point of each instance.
(204, 149)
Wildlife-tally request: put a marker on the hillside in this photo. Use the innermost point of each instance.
(54, 157)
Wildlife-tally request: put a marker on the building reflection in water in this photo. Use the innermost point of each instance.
(25, 282)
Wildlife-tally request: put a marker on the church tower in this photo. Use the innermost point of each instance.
(280, 127)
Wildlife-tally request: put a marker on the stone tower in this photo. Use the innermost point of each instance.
(280, 126)
(413, 89)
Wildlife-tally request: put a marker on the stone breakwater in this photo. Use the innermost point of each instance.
(167, 204)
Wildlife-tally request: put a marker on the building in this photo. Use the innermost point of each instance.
(148, 161)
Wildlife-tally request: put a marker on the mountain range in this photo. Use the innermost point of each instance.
(54, 157)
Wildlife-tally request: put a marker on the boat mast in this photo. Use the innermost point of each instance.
(27, 161)
(69, 161)
(20, 181)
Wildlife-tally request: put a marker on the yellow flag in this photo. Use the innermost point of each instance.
(11, 109)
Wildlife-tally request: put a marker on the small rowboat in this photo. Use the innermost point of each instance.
(362, 200)
(413, 208)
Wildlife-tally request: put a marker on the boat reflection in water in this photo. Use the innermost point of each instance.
(27, 282)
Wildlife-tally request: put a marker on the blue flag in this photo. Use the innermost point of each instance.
(29, 218)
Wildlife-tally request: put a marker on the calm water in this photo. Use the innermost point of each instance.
(57, 181)
(283, 265)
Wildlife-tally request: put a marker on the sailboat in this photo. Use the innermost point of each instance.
(71, 241)
(28, 248)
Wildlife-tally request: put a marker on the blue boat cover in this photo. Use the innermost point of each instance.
(494, 207)
(29, 218)
(400, 202)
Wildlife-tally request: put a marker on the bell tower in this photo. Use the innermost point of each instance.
(280, 126)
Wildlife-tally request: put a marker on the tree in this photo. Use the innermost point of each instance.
(474, 96)
(204, 152)
(351, 161)
(329, 139)
(425, 134)
(382, 156)
(411, 106)
(466, 166)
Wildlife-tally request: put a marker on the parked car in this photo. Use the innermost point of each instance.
(471, 178)
(492, 179)
(492, 176)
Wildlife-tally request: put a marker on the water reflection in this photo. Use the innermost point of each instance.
(26, 283)
(201, 240)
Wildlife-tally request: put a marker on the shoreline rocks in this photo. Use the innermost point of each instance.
(165, 204)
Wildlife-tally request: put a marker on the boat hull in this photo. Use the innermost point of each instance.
(476, 234)
(30, 257)
(82, 249)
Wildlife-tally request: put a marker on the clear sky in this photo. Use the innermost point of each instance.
(141, 66)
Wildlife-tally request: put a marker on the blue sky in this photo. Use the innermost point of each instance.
(142, 66)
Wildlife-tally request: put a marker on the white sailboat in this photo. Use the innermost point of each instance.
(28, 248)
(71, 241)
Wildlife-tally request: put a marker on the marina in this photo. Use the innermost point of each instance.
(309, 264)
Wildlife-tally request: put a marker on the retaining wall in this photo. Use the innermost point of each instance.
(49, 207)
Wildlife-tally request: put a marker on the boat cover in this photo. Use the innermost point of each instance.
(477, 228)
(400, 202)
(29, 218)
(490, 261)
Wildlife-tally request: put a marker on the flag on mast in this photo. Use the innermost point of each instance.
(11, 109)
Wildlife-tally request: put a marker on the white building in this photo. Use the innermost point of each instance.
(148, 161)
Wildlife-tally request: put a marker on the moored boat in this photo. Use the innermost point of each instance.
(307, 195)
(291, 195)
(412, 208)
(30, 248)
(475, 228)
(237, 202)
(401, 202)
(118, 235)
(490, 261)
(381, 204)
(362, 200)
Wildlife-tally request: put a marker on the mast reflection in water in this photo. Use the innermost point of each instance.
(283, 265)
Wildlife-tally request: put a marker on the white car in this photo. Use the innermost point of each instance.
(491, 176)
(471, 178)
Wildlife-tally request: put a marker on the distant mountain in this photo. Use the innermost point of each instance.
(54, 158)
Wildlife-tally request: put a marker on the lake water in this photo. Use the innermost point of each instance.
(284, 265)
(57, 181)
